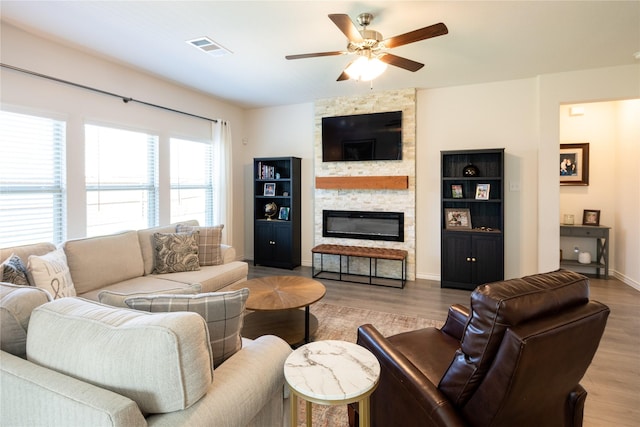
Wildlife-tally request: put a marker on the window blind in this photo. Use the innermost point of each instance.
(121, 180)
(192, 190)
(32, 185)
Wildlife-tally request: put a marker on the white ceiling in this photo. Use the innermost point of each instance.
(487, 41)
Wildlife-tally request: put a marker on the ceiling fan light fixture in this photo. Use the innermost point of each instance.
(365, 69)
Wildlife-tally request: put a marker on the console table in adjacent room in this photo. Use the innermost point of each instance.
(601, 234)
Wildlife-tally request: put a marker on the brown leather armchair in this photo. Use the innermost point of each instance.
(515, 358)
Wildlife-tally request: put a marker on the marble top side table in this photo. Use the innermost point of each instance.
(331, 373)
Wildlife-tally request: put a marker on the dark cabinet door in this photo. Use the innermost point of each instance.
(471, 259)
(487, 259)
(272, 244)
(263, 243)
(456, 271)
(282, 242)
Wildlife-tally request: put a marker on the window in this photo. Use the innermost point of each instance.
(121, 180)
(32, 192)
(192, 191)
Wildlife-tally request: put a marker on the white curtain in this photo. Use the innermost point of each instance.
(222, 179)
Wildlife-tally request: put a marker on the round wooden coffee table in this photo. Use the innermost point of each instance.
(275, 302)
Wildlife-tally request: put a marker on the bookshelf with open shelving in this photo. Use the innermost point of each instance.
(472, 217)
(277, 233)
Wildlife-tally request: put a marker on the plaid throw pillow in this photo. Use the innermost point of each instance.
(209, 251)
(223, 312)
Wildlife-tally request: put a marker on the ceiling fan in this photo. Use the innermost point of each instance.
(370, 45)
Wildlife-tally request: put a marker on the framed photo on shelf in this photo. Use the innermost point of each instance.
(270, 189)
(284, 213)
(591, 217)
(482, 191)
(456, 191)
(457, 219)
(574, 164)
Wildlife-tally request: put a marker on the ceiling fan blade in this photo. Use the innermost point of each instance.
(434, 30)
(346, 25)
(342, 77)
(314, 55)
(401, 62)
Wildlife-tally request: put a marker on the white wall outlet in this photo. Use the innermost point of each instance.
(514, 186)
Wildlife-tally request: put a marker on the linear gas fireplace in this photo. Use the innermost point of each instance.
(363, 225)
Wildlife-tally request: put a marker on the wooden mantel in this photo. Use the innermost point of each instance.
(393, 182)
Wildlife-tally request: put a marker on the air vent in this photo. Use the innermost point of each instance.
(207, 45)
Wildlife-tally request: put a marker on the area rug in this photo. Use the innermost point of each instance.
(337, 322)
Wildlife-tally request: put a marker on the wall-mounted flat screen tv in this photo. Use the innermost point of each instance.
(362, 137)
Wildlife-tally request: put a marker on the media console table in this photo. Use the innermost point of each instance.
(374, 254)
(601, 234)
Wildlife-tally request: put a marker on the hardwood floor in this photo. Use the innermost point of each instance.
(613, 379)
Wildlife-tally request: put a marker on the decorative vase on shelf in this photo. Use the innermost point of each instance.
(470, 170)
(584, 258)
(270, 210)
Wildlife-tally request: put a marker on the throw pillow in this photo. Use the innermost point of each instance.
(223, 312)
(13, 270)
(176, 252)
(116, 299)
(51, 273)
(209, 251)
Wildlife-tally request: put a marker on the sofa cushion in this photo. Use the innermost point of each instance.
(96, 262)
(16, 304)
(116, 299)
(211, 277)
(223, 311)
(209, 251)
(147, 248)
(161, 361)
(495, 307)
(13, 270)
(176, 252)
(141, 284)
(51, 272)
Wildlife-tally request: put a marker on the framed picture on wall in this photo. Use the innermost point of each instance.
(574, 164)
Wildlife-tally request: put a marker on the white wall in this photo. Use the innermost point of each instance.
(77, 106)
(274, 132)
(627, 190)
(495, 115)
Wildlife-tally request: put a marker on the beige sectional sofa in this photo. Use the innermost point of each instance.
(123, 263)
(92, 363)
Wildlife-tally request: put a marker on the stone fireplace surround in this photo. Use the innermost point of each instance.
(385, 199)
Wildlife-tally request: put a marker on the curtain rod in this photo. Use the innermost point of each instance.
(125, 99)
